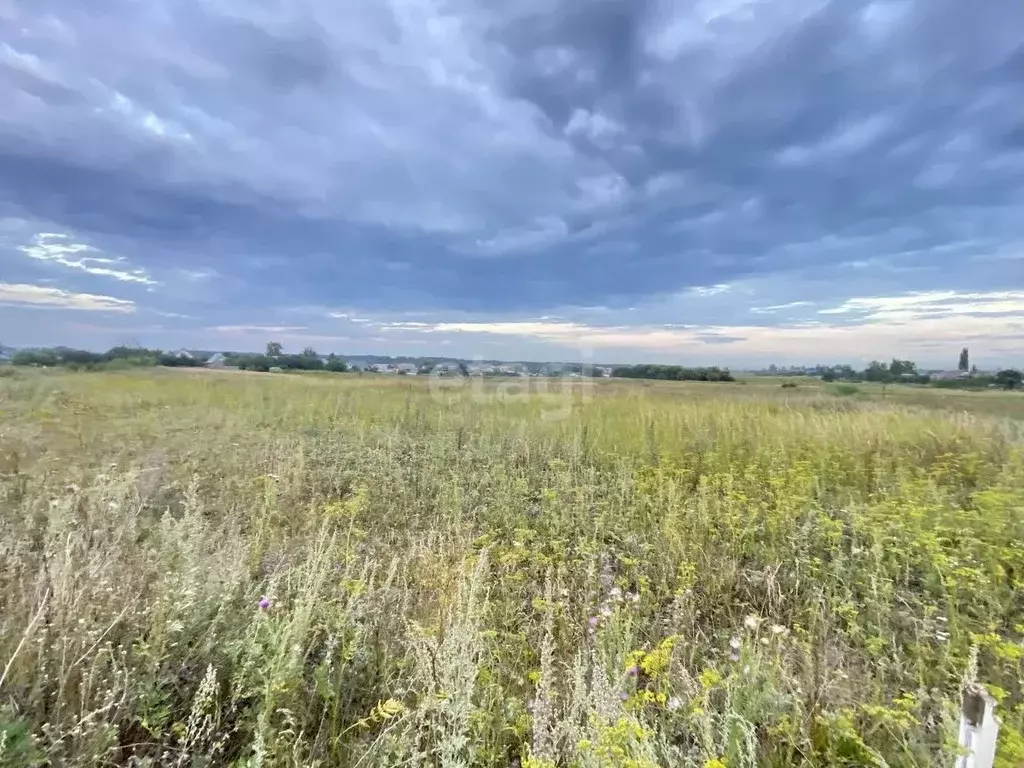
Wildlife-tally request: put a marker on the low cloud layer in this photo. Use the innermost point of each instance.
(55, 298)
(58, 249)
(755, 170)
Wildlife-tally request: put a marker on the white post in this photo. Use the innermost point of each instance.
(979, 729)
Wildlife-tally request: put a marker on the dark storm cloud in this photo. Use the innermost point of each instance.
(467, 156)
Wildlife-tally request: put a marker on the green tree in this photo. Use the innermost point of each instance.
(901, 367)
(41, 357)
(1009, 379)
(274, 349)
(877, 371)
(671, 373)
(965, 360)
(309, 352)
(335, 364)
(253, 362)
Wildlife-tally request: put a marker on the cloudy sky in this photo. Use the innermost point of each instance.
(701, 181)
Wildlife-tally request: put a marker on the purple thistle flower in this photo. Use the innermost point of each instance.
(632, 671)
(592, 622)
(264, 603)
(623, 696)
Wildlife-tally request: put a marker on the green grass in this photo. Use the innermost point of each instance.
(633, 574)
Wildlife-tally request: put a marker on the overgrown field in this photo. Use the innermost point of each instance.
(282, 570)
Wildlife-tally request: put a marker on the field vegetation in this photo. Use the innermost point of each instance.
(231, 569)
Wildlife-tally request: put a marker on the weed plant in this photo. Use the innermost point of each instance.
(254, 570)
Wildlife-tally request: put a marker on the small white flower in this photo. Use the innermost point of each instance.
(673, 703)
(606, 611)
(633, 597)
(752, 622)
(615, 593)
(735, 643)
(778, 629)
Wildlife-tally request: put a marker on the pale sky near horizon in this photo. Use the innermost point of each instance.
(732, 182)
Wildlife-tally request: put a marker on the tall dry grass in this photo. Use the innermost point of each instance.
(302, 571)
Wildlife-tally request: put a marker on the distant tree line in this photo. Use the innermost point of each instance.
(906, 372)
(115, 358)
(274, 358)
(671, 373)
(307, 360)
(138, 357)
